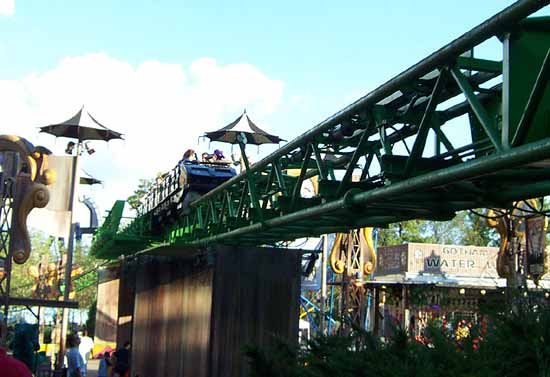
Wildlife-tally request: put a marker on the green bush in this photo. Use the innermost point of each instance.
(513, 345)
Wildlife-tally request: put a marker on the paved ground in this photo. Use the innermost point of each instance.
(92, 368)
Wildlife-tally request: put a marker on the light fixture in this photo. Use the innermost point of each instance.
(70, 147)
(462, 291)
(483, 292)
(546, 294)
(89, 149)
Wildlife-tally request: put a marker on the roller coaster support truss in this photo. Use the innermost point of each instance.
(367, 174)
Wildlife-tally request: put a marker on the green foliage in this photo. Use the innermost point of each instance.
(85, 287)
(518, 344)
(514, 346)
(21, 282)
(90, 322)
(143, 188)
(478, 233)
(465, 228)
(42, 248)
(407, 231)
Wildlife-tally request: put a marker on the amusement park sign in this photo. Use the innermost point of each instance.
(416, 258)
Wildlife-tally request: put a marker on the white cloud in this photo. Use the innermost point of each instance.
(161, 108)
(7, 7)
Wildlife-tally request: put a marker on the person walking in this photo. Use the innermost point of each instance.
(85, 347)
(122, 360)
(104, 369)
(75, 363)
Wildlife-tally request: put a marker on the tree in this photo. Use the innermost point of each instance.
(21, 281)
(466, 228)
(448, 232)
(404, 232)
(478, 232)
(85, 286)
(143, 188)
(43, 249)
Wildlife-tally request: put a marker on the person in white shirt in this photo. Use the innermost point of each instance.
(86, 346)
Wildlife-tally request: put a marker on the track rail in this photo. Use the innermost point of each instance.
(369, 162)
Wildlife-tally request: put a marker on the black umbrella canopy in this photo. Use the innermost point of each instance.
(89, 181)
(243, 124)
(82, 126)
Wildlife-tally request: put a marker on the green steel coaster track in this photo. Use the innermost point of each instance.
(371, 160)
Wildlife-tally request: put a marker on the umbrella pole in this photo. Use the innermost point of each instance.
(68, 259)
(250, 178)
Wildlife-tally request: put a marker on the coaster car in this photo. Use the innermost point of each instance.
(173, 191)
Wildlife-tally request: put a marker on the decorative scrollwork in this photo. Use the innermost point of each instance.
(31, 192)
(363, 243)
(36, 196)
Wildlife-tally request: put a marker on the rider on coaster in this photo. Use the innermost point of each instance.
(189, 156)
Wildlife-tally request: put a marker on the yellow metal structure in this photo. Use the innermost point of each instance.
(353, 257)
(32, 192)
(361, 259)
(515, 225)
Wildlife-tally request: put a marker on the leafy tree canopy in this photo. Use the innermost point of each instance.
(44, 250)
(143, 188)
(465, 228)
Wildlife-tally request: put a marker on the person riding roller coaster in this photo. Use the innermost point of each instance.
(219, 157)
(189, 156)
(216, 157)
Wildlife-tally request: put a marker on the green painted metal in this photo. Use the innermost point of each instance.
(524, 52)
(480, 65)
(477, 108)
(425, 123)
(533, 103)
(265, 204)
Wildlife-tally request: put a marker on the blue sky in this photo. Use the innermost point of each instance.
(328, 49)
(304, 60)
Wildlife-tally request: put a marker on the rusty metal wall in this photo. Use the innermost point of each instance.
(127, 291)
(107, 307)
(171, 326)
(256, 298)
(193, 319)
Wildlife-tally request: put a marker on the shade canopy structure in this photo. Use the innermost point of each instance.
(243, 125)
(82, 126)
(89, 181)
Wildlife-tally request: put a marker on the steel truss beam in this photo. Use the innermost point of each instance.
(361, 178)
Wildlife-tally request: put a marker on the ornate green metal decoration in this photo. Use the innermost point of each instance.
(507, 103)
